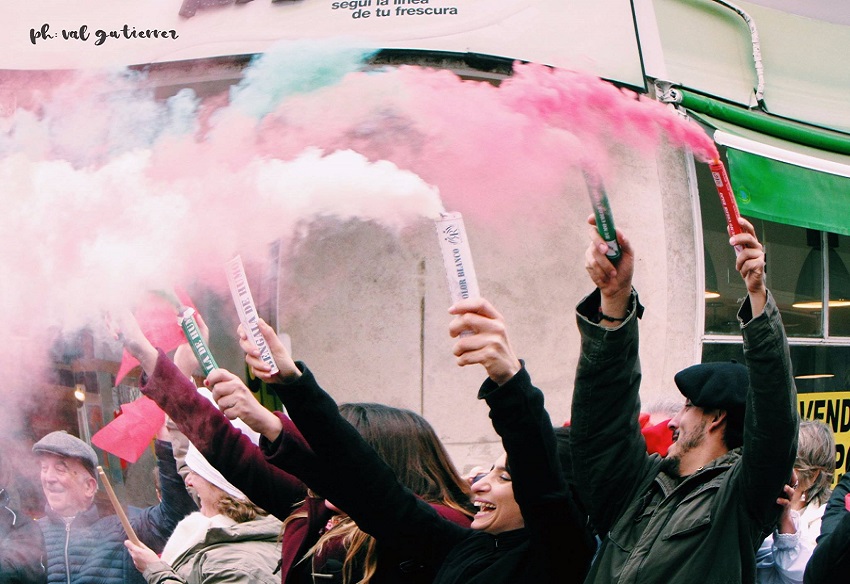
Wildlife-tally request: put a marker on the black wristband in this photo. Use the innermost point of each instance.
(603, 316)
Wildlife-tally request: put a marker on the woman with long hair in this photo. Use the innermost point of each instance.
(229, 539)
(783, 555)
(527, 530)
(319, 543)
(406, 442)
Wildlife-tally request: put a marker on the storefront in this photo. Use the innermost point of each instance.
(387, 288)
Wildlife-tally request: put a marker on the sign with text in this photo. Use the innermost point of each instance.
(832, 408)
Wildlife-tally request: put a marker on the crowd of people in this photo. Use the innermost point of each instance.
(365, 493)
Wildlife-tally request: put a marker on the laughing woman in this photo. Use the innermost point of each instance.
(527, 529)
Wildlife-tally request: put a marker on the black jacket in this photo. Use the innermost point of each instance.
(553, 546)
(830, 562)
(21, 547)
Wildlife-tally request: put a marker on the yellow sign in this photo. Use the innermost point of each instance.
(832, 408)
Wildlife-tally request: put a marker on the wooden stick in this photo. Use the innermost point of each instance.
(119, 510)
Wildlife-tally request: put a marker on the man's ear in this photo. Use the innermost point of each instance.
(716, 419)
(90, 487)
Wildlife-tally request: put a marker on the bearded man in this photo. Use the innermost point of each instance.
(700, 514)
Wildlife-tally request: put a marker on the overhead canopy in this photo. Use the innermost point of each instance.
(785, 182)
(706, 46)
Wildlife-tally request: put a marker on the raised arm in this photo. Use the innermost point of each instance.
(154, 524)
(352, 476)
(609, 453)
(226, 447)
(771, 423)
(559, 541)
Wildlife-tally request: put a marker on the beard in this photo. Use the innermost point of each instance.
(672, 462)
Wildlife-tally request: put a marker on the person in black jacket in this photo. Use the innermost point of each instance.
(527, 529)
(830, 562)
(21, 541)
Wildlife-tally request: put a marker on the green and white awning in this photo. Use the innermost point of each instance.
(785, 182)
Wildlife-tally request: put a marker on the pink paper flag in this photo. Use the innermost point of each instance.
(158, 320)
(131, 432)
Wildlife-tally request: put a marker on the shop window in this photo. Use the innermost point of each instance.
(805, 267)
(817, 369)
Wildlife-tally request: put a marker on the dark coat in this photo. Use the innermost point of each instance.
(703, 528)
(553, 547)
(830, 562)
(21, 547)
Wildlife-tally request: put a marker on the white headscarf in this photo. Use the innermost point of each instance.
(201, 466)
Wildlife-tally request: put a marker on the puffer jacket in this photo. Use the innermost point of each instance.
(90, 549)
(246, 553)
(658, 528)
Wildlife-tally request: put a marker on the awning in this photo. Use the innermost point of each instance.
(784, 182)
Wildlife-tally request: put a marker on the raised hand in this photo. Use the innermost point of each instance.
(750, 264)
(614, 281)
(488, 344)
(125, 328)
(281, 356)
(235, 400)
(184, 356)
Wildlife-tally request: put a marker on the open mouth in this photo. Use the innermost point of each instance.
(484, 507)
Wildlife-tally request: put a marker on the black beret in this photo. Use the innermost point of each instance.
(710, 386)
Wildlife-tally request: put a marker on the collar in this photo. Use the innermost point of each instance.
(84, 518)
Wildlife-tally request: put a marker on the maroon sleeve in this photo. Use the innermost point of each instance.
(226, 447)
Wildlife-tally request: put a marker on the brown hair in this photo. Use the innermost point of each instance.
(409, 445)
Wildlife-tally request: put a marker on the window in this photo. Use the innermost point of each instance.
(808, 277)
(805, 267)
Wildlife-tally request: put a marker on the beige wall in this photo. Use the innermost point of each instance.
(367, 310)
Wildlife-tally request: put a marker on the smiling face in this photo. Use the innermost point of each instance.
(68, 487)
(493, 495)
(689, 433)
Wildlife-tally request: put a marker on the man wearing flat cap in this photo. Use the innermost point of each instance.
(700, 513)
(84, 545)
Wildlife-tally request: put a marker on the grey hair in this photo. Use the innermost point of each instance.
(816, 452)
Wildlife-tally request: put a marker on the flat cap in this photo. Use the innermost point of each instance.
(61, 443)
(721, 385)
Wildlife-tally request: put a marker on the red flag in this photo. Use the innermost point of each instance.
(157, 318)
(129, 434)
(658, 437)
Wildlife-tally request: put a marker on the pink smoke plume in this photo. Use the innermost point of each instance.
(110, 192)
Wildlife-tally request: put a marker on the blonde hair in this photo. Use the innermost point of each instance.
(240, 510)
(816, 459)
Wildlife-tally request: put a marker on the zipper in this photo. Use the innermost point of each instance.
(67, 563)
